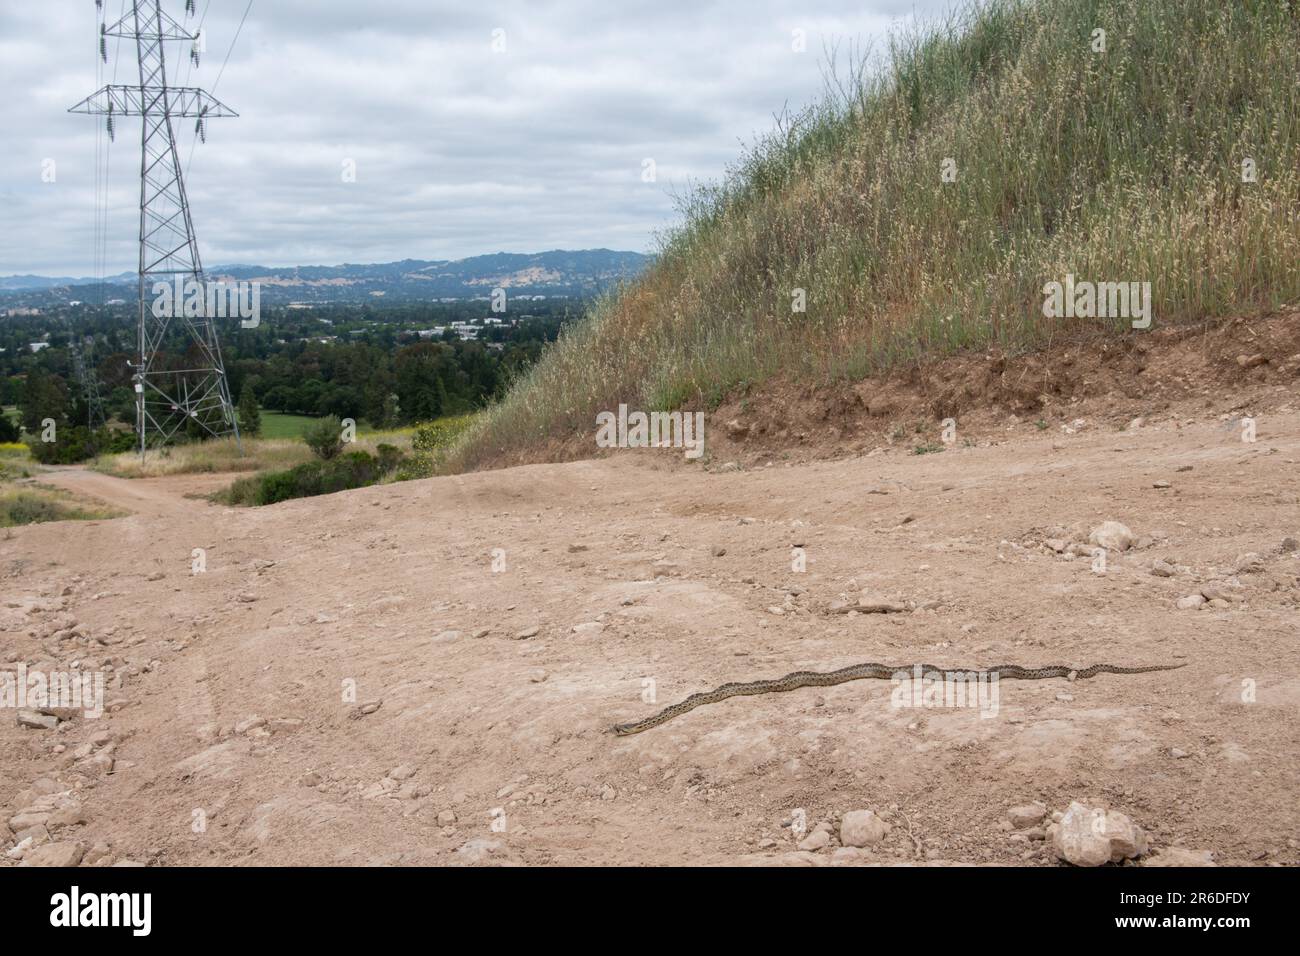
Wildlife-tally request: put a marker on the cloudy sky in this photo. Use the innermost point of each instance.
(473, 127)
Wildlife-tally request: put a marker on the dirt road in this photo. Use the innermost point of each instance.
(427, 672)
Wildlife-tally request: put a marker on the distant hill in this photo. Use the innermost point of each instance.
(581, 272)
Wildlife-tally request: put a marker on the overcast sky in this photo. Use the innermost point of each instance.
(459, 148)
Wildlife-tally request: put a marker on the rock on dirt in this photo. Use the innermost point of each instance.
(815, 841)
(1178, 856)
(1028, 815)
(55, 854)
(862, 828)
(36, 720)
(1091, 836)
(1112, 536)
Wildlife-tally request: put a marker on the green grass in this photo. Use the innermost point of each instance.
(277, 425)
(1117, 166)
(283, 425)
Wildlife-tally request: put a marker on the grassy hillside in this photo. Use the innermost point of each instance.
(1122, 165)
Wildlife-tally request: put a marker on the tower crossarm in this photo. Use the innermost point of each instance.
(153, 101)
(159, 26)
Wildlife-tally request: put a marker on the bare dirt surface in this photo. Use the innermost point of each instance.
(478, 728)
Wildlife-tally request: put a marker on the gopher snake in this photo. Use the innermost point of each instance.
(870, 670)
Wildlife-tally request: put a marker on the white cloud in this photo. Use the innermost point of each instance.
(458, 150)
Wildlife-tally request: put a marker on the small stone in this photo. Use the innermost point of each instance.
(102, 762)
(99, 853)
(403, 772)
(1161, 484)
(1163, 569)
(446, 637)
(1190, 603)
(55, 854)
(588, 628)
(479, 849)
(446, 818)
(1026, 816)
(1249, 563)
(862, 828)
(1178, 856)
(1220, 592)
(250, 723)
(36, 721)
(719, 550)
(528, 632)
(1112, 536)
(817, 840)
(1290, 544)
(66, 817)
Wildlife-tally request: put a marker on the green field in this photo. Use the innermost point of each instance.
(282, 425)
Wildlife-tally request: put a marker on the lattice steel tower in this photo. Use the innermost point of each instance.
(184, 389)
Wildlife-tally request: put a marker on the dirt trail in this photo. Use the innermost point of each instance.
(239, 731)
(151, 496)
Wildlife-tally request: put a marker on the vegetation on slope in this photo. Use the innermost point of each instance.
(1115, 166)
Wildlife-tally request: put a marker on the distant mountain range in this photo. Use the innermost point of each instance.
(581, 272)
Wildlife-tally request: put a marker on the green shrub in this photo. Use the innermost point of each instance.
(354, 469)
(324, 437)
(78, 443)
(431, 442)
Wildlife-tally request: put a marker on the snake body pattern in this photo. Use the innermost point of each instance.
(866, 671)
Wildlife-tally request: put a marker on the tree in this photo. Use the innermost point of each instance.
(250, 417)
(45, 396)
(324, 437)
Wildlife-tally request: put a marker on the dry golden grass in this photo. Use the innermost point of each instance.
(1115, 167)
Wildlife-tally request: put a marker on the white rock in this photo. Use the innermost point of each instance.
(1112, 536)
(1191, 602)
(1091, 837)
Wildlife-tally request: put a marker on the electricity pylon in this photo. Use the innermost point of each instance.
(187, 385)
(88, 383)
